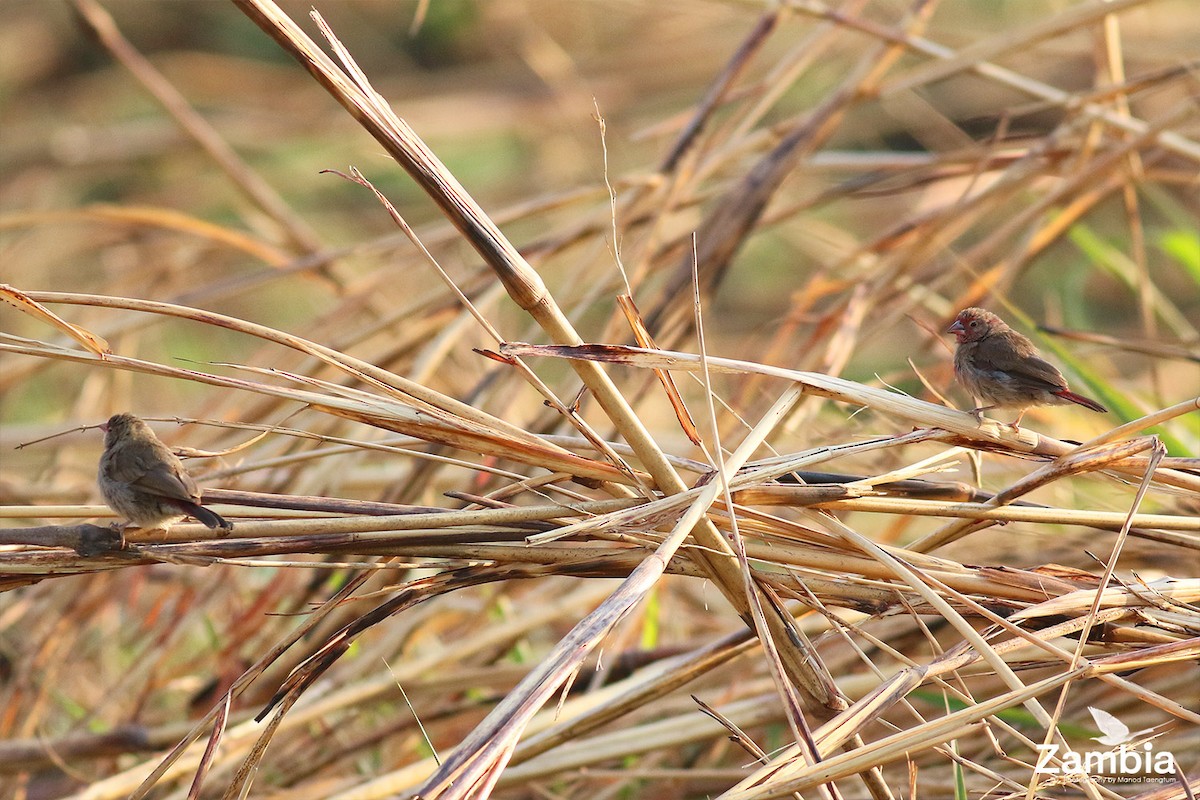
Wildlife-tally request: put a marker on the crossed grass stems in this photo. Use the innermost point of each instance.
(804, 582)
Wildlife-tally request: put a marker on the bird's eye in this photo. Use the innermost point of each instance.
(974, 323)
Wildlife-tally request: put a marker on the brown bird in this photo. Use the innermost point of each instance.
(1001, 367)
(143, 481)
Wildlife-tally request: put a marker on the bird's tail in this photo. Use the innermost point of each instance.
(1081, 400)
(210, 518)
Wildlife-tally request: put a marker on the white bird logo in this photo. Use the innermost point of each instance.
(1115, 732)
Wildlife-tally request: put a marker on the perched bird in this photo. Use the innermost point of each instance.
(1002, 368)
(143, 481)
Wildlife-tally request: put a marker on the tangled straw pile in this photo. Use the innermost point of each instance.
(765, 627)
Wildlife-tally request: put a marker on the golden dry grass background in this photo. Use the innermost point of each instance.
(857, 175)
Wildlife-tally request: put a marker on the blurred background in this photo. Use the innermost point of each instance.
(506, 94)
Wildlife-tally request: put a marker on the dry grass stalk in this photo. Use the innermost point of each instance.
(506, 545)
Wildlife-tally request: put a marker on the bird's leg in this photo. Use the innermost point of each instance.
(120, 527)
(978, 411)
(1017, 422)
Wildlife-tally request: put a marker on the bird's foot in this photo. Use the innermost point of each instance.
(119, 528)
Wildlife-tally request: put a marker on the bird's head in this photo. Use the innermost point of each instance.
(120, 426)
(972, 324)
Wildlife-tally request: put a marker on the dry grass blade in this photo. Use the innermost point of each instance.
(529, 559)
(24, 303)
(642, 336)
(972, 56)
(951, 726)
(1182, 591)
(166, 219)
(210, 748)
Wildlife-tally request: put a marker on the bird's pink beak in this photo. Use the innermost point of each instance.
(957, 327)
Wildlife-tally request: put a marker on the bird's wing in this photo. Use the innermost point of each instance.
(1036, 369)
(144, 469)
(117, 466)
(999, 357)
(165, 481)
(1109, 725)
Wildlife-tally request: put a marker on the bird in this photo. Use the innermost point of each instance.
(144, 482)
(1002, 367)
